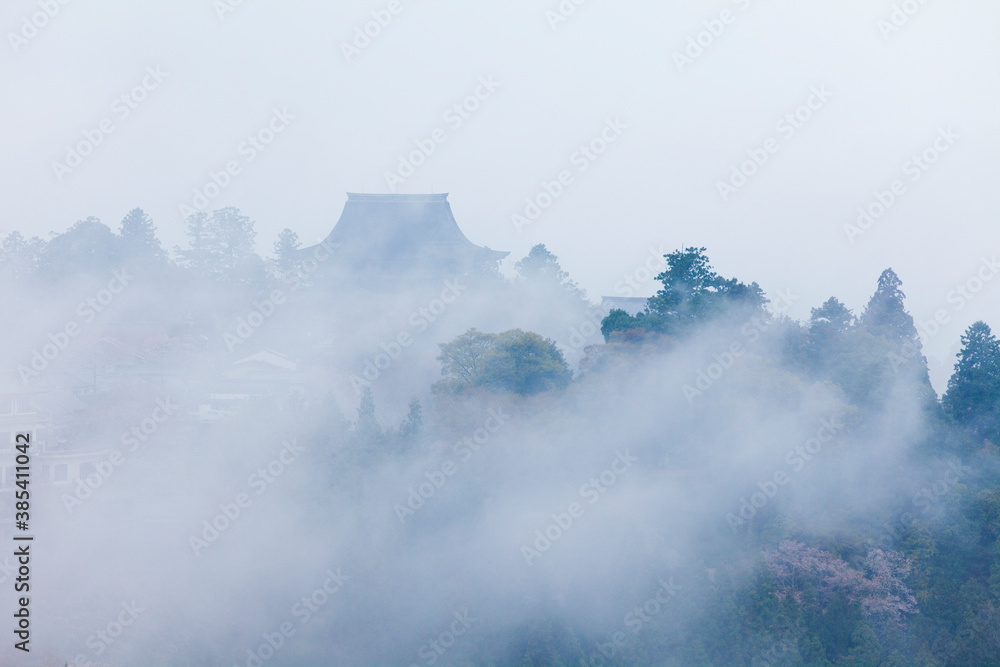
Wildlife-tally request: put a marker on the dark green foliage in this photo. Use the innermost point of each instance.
(885, 315)
(973, 396)
(692, 294)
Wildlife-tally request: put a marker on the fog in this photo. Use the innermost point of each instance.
(250, 453)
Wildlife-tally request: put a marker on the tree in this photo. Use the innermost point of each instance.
(463, 360)
(222, 247)
(693, 293)
(368, 433)
(832, 316)
(617, 320)
(540, 268)
(973, 395)
(828, 328)
(525, 363)
(138, 240)
(285, 251)
(885, 315)
(89, 246)
(513, 361)
(20, 257)
(197, 257)
(412, 427)
(879, 590)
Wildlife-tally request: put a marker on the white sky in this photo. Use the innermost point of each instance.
(655, 185)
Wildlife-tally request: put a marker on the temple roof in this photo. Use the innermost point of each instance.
(400, 229)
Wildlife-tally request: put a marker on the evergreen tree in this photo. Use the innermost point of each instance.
(885, 315)
(285, 251)
(693, 293)
(973, 396)
(366, 428)
(138, 239)
(540, 268)
(832, 316)
(221, 247)
(198, 256)
(411, 430)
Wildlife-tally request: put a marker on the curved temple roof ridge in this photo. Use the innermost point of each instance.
(402, 233)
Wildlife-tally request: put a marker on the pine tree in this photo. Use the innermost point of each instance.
(412, 427)
(285, 251)
(198, 256)
(138, 239)
(832, 316)
(885, 315)
(973, 396)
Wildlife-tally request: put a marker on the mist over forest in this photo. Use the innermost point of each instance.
(287, 460)
(567, 333)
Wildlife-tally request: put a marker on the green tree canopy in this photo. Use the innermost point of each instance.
(515, 361)
(692, 293)
(832, 316)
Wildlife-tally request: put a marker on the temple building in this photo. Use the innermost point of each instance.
(400, 235)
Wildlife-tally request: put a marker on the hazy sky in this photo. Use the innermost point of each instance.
(678, 128)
